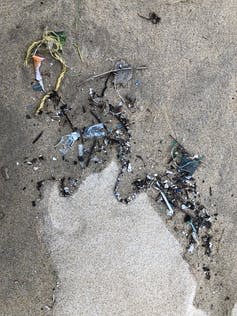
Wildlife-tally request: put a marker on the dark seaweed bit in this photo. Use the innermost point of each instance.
(39, 184)
(187, 218)
(37, 137)
(206, 243)
(105, 85)
(207, 272)
(91, 152)
(63, 110)
(63, 188)
(210, 191)
(153, 17)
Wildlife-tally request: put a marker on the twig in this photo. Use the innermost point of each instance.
(98, 119)
(90, 153)
(96, 116)
(78, 51)
(219, 241)
(112, 71)
(119, 95)
(37, 137)
(105, 86)
(67, 118)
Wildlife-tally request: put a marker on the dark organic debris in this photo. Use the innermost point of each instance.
(206, 272)
(37, 137)
(206, 243)
(39, 185)
(68, 186)
(90, 153)
(153, 17)
(210, 191)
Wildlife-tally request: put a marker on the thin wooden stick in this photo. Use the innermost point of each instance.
(112, 71)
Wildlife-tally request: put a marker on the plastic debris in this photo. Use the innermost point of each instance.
(37, 87)
(67, 142)
(68, 186)
(81, 155)
(97, 131)
(191, 248)
(185, 163)
(170, 211)
(95, 159)
(188, 166)
(122, 77)
(37, 63)
(138, 83)
(129, 167)
(54, 42)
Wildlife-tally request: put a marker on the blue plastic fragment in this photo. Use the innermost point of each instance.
(37, 86)
(188, 165)
(67, 142)
(97, 130)
(138, 83)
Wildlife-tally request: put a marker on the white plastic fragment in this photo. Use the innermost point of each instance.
(191, 248)
(129, 167)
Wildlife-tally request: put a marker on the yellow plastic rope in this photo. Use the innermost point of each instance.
(54, 46)
(42, 102)
(63, 71)
(29, 51)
